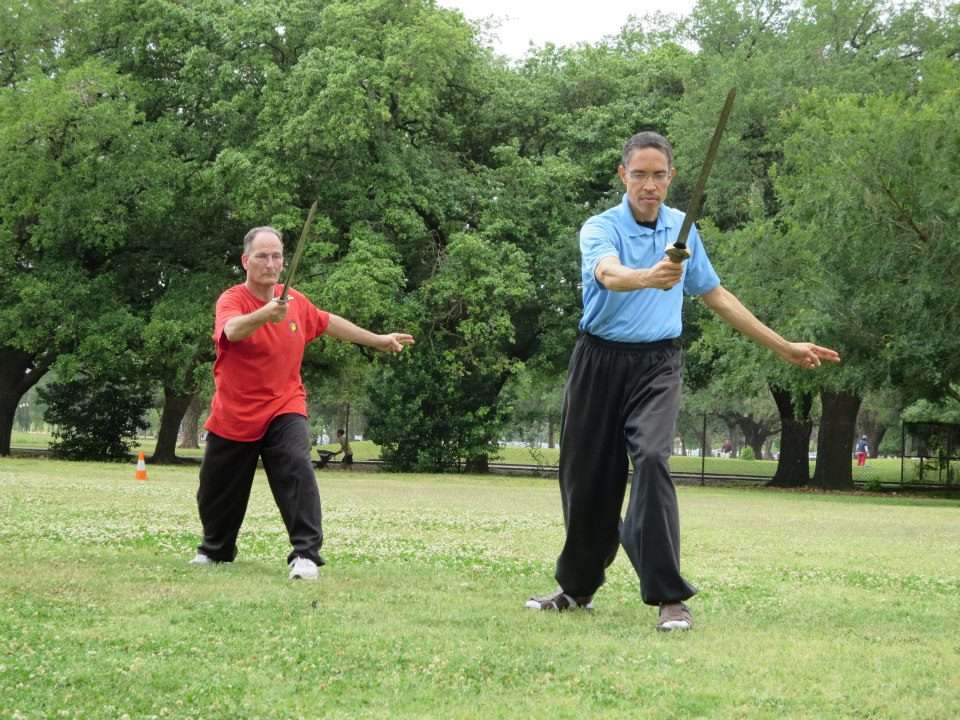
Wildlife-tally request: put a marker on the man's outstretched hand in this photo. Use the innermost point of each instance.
(809, 356)
(393, 342)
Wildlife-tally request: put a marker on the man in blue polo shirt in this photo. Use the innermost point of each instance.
(623, 389)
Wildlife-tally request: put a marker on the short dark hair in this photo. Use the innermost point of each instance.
(340, 431)
(252, 233)
(647, 139)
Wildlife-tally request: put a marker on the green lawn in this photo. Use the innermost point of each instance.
(20, 439)
(812, 605)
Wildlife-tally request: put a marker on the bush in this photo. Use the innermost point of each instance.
(873, 485)
(96, 418)
(427, 419)
(747, 454)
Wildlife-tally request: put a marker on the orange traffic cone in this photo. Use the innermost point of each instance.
(141, 473)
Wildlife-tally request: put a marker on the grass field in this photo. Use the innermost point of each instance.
(811, 605)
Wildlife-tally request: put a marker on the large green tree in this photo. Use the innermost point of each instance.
(80, 174)
(108, 198)
(777, 54)
(875, 173)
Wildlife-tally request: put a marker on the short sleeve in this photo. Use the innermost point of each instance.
(228, 307)
(315, 321)
(700, 277)
(597, 241)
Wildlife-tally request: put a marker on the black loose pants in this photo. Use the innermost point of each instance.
(226, 477)
(621, 400)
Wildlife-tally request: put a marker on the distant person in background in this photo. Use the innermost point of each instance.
(347, 459)
(862, 449)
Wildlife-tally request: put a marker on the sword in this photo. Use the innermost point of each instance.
(678, 253)
(298, 253)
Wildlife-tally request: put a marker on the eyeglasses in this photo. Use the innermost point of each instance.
(267, 257)
(658, 177)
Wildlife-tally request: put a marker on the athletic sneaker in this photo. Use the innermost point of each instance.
(674, 616)
(302, 568)
(201, 559)
(560, 601)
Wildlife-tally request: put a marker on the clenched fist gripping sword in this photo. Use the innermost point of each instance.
(678, 253)
(298, 253)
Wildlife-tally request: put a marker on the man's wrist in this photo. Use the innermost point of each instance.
(780, 346)
(641, 278)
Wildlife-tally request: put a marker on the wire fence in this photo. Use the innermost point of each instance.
(917, 456)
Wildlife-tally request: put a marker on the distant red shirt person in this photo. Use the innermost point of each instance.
(259, 409)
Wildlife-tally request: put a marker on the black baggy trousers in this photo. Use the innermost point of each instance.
(621, 400)
(226, 477)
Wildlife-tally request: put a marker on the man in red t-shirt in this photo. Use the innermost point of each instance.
(259, 408)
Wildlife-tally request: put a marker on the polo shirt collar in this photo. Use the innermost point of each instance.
(635, 229)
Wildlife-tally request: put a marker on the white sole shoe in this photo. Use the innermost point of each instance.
(303, 569)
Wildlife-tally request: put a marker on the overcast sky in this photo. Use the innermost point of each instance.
(559, 22)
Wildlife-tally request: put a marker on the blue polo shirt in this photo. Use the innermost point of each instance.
(639, 315)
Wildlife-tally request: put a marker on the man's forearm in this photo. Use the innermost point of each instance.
(620, 278)
(342, 329)
(243, 326)
(729, 308)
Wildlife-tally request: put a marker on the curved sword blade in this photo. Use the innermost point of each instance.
(696, 197)
(298, 253)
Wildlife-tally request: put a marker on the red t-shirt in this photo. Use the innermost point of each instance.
(258, 378)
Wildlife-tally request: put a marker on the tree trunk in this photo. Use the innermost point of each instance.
(174, 406)
(18, 373)
(8, 408)
(793, 466)
(768, 448)
(190, 425)
(874, 438)
(754, 438)
(871, 426)
(834, 469)
(754, 431)
(551, 439)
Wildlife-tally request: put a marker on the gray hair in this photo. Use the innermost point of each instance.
(647, 139)
(248, 238)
